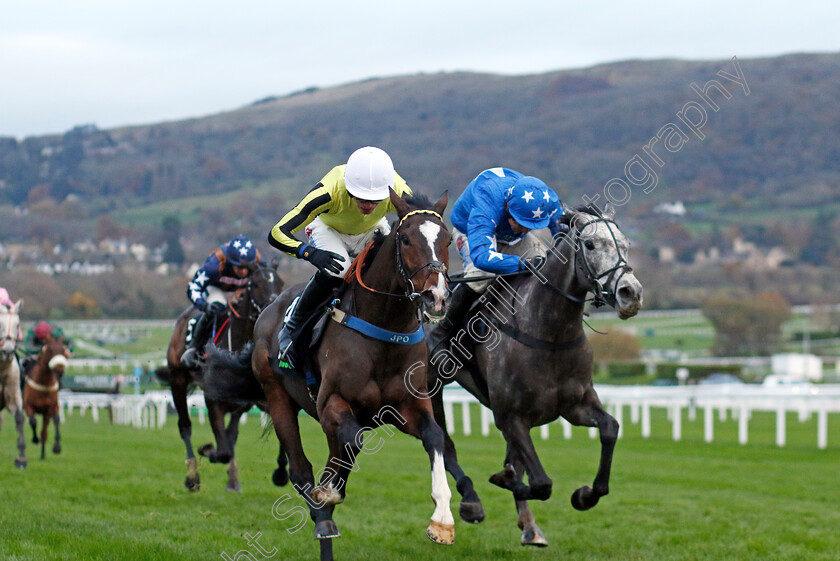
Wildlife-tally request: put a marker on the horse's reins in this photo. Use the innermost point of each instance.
(355, 271)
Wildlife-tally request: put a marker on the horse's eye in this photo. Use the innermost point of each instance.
(589, 244)
(404, 240)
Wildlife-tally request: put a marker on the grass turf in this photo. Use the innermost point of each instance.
(117, 493)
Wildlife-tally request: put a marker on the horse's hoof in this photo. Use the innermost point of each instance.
(20, 463)
(280, 477)
(326, 529)
(471, 512)
(35, 440)
(505, 479)
(192, 483)
(326, 496)
(584, 498)
(533, 536)
(205, 450)
(441, 533)
(234, 487)
(56, 449)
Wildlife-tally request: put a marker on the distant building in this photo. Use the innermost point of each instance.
(797, 366)
(674, 209)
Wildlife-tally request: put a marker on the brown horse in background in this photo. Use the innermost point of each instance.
(233, 332)
(365, 381)
(40, 392)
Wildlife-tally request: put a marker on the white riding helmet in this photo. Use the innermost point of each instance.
(369, 174)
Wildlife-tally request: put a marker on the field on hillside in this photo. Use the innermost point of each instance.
(116, 493)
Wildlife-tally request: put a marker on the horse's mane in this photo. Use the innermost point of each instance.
(589, 209)
(419, 202)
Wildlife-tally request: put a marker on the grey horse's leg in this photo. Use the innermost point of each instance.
(590, 413)
(518, 437)
(20, 461)
(531, 533)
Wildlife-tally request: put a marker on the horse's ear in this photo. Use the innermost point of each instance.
(18, 305)
(399, 204)
(441, 203)
(609, 211)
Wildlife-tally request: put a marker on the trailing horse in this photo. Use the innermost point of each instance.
(10, 394)
(370, 347)
(523, 353)
(40, 391)
(233, 333)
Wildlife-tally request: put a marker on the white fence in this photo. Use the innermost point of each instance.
(721, 401)
(149, 410)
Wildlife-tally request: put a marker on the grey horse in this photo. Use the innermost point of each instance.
(523, 353)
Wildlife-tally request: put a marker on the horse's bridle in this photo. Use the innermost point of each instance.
(433, 266)
(256, 309)
(596, 281)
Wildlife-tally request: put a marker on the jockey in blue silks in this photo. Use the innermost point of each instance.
(492, 220)
(225, 270)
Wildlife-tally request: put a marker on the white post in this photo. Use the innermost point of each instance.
(645, 420)
(593, 432)
(708, 423)
(449, 411)
(567, 428)
(544, 432)
(677, 423)
(634, 413)
(822, 428)
(94, 412)
(465, 418)
(743, 419)
(486, 415)
(619, 417)
(780, 426)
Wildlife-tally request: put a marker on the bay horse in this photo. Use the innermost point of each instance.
(524, 354)
(40, 390)
(235, 329)
(364, 377)
(10, 394)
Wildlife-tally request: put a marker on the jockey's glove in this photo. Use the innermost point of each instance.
(534, 263)
(325, 261)
(215, 309)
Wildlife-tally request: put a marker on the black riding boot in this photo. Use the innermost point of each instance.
(201, 333)
(457, 305)
(317, 291)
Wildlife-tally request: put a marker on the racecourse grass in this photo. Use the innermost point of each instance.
(117, 493)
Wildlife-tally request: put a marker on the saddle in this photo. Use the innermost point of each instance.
(305, 341)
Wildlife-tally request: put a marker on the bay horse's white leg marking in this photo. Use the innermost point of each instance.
(442, 526)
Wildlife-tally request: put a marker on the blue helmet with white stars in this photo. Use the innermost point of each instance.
(530, 202)
(241, 252)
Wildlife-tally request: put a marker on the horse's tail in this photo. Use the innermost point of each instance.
(164, 374)
(228, 376)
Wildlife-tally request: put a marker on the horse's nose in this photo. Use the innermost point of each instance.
(628, 296)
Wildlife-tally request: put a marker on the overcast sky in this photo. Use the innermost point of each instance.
(119, 62)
